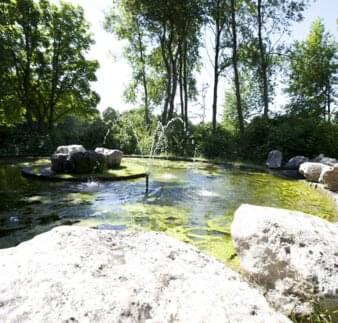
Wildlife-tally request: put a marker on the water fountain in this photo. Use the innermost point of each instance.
(160, 135)
(159, 142)
(159, 138)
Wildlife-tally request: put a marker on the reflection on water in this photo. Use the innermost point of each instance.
(193, 202)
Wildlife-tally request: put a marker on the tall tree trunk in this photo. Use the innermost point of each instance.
(26, 80)
(328, 92)
(173, 89)
(216, 70)
(263, 61)
(32, 108)
(164, 117)
(181, 80)
(55, 77)
(144, 78)
(235, 67)
(185, 82)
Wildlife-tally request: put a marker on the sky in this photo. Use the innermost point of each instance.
(114, 72)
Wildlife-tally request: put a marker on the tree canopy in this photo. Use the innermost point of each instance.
(313, 73)
(45, 75)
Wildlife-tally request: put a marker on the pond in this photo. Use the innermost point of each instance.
(194, 202)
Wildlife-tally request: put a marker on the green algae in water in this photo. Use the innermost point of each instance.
(158, 215)
(79, 198)
(193, 202)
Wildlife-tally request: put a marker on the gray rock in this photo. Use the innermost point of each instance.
(292, 255)
(113, 156)
(295, 162)
(75, 159)
(60, 160)
(312, 171)
(325, 160)
(275, 159)
(86, 162)
(329, 177)
(60, 163)
(73, 274)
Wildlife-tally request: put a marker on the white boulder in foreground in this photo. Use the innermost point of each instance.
(72, 274)
(294, 256)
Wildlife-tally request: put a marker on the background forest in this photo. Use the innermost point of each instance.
(45, 78)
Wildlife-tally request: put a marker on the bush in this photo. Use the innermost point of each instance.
(213, 145)
(292, 135)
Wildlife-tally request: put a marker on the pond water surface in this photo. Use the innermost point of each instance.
(194, 202)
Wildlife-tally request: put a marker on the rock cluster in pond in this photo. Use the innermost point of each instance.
(294, 256)
(72, 274)
(75, 159)
(325, 171)
(290, 168)
(321, 169)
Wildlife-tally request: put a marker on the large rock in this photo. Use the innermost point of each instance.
(275, 159)
(294, 256)
(295, 162)
(329, 177)
(75, 159)
(60, 163)
(113, 157)
(325, 160)
(291, 168)
(60, 160)
(87, 162)
(72, 274)
(312, 171)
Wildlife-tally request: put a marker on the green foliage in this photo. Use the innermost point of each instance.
(162, 48)
(267, 22)
(250, 101)
(133, 137)
(313, 73)
(45, 76)
(212, 144)
(292, 135)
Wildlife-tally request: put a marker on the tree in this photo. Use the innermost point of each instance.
(270, 20)
(217, 11)
(10, 106)
(250, 100)
(163, 43)
(127, 26)
(313, 73)
(49, 76)
(235, 63)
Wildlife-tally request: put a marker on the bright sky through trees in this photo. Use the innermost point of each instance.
(114, 72)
